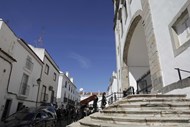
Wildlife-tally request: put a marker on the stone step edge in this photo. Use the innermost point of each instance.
(156, 95)
(147, 112)
(151, 100)
(150, 105)
(93, 124)
(145, 119)
(155, 99)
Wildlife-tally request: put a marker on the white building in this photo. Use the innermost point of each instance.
(152, 39)
(113, 88)
(20, 68)
(68, 94)
(49, 77)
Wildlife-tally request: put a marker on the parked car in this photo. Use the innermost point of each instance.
(49, 109)
(31, 117)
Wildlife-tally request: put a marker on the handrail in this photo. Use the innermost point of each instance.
(115, 96)
(179, 72)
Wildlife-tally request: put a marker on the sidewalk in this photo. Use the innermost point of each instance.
(63, 123)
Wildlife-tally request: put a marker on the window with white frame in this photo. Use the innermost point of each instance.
(180, 31)
(182, 28)
(29, 63)
(24, 84)
(43, 93)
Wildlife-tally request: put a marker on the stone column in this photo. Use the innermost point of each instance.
(124, 77)
(154, 62)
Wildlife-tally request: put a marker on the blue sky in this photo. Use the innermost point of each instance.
(77, 34)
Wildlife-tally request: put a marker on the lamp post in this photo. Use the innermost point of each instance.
(38, 82)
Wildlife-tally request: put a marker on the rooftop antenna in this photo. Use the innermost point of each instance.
(40, 39)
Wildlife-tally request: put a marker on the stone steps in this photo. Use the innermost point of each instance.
(142, 111)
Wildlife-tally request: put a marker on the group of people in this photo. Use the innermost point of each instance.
(72, 114)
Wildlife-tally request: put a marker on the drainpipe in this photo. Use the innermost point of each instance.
(10, 75)
(39, 82)
(10, 70)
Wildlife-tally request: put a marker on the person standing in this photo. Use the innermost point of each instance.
(95, 104)
(103, 104)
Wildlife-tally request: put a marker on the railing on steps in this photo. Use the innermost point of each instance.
(144, 84)
(179, 72)
(129, 91)
(118, 95)
(113, 97)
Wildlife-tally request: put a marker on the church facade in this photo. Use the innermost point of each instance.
(152, 45)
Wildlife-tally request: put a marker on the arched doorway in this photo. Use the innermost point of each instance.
(136, 58)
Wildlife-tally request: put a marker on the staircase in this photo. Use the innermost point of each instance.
(142, 111)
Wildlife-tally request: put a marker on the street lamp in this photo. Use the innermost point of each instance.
(38, 82)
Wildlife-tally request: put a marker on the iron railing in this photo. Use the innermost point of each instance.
(115, 96)
(143, 86)
(129, 91)
(179, 72)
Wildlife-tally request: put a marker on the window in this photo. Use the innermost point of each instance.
(24, 87)
(47, 69)
(29, 63)
(52, 97)
(180, 32)
(125, 11)
(120, 22)
(64, 94)
(19, 106)
(65, 84)
(43, 93)
(181, 28)
(54, 76)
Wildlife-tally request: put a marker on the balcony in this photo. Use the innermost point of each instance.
(24, 91)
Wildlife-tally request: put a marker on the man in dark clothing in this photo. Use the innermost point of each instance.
(95, 104)
(103, 104)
